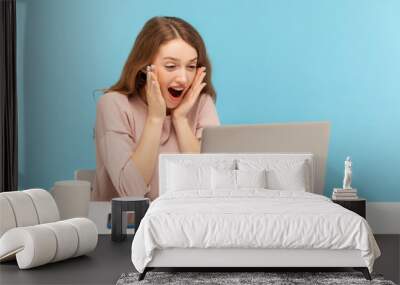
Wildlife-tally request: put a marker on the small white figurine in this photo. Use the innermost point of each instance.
(347, 174)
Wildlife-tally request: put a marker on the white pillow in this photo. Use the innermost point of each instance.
(188, 177)
(236, 179)
(251, 178)
(288, 179)
(281, 174)
(223, 179)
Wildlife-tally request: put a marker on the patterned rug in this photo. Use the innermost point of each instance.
(270, 278)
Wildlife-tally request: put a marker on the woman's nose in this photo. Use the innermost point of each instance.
(183, 76)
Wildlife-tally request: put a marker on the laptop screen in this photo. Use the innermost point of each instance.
(310, 137)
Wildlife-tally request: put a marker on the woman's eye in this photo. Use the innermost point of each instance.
(170, 67)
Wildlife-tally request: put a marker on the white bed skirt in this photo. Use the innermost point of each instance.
(227, 257)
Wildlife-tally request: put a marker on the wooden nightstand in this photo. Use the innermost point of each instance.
(358, 206)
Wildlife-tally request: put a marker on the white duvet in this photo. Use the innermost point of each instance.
(251, 218)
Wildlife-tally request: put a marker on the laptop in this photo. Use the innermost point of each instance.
(305, 137)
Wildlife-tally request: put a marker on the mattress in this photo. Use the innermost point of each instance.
(251, 219)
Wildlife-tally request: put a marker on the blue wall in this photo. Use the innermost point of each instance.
(274, 61)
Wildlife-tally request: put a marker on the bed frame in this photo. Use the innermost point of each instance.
(242, 259)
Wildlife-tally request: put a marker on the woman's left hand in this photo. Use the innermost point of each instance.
(191, 95)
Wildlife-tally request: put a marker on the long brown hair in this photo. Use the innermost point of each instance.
(156, 32)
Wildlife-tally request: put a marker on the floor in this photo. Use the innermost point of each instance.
(110, 260)
(388, 263)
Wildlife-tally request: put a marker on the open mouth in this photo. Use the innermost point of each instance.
(174, 92)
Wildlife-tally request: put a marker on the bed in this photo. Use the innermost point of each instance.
(248, 210)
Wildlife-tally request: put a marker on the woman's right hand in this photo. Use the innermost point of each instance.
(155, 100)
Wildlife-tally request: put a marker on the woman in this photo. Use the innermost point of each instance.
(161, 103)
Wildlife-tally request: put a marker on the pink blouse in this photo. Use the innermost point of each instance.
(119, 124)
